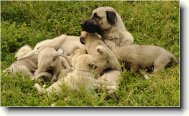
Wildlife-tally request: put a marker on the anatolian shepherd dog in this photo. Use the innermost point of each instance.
(107, 22)
(140, 57)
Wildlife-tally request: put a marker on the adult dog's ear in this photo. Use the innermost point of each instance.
(111, 17)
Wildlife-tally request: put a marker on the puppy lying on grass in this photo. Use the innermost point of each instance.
(50, 61)
(97, 48)
(63, 42)
(139, 57)
(82, 77)
(74, 53)
(25, 64)
(109, 81)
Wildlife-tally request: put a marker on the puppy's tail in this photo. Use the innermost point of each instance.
(173, 61)
(23, 51)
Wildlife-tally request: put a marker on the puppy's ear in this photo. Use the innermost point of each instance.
(82, 40)
(103, 51)
(111, 17)
(99, 49)
(83, 36)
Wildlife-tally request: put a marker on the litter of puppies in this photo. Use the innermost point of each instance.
(91, 61)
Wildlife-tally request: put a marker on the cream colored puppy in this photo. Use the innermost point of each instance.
(52, 43)
(23, 51)
(107, 22)
(75, 52)
(82, 77)
(26, 65)
(139, 57)
(109, 80)
(63, 42)
(97, 48)
(49, 60)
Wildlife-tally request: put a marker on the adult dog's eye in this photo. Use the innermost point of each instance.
(95, 16)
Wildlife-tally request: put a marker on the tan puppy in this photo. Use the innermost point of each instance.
(63, 42)
(75, 52)
(82, 77)
(107, 22)
(53, 43)
(49, 60)
(139, 57)
(96, 47)
(23, 51)
(26, 65)
(109, 80)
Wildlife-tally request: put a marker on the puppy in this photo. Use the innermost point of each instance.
(109, 80)
(52, 43)
(23, 51)
(97, 48)
(139, 57)
(49, 60)
(74, 53)
(82, 77)
(107, 22)
(26, 65)
(63, 42)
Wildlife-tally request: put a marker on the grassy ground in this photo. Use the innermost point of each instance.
(155, 23)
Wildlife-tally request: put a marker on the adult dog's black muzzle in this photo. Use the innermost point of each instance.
(91, 26)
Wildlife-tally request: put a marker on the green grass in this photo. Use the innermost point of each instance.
(154, 23)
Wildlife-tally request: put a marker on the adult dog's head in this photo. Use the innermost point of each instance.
(102, 19)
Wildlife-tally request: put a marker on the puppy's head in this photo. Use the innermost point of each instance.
(48, 59)
(86, 63)
(102, 19)
(85, 36)
(106, 59)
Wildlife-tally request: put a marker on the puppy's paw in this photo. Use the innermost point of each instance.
(39, 88)
(146, 77)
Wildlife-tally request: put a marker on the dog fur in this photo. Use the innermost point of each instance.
(97, 48)
(139, 57)
(107, 22)
(74, 53)
(63, 42)
(109, 80)
(49, 60)
(82, 77)
(23, 51)
(26, 65)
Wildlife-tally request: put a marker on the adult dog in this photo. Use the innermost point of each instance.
(107, 22)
